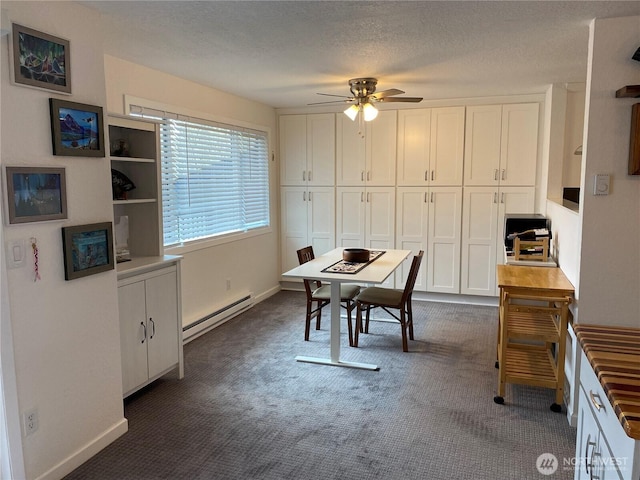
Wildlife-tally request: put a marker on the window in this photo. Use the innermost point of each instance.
(215, 177)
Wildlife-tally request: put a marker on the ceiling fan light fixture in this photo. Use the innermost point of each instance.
(369, 111)
(352, 112)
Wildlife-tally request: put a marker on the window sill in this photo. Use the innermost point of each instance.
(212, 242)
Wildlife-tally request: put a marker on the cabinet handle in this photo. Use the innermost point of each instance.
(504, 174)
(591, 475)
(426, 175)
(495, 174)
(425, 197)
(368, 176)
(587, 464)
(304, 196)
(596, 403)
(309, 175)
(144, 332)
(433, 175)
(362, 176)
(304, 175)
(431, 197)
(368, 196)
(361, 197)
(495, 197)
(153, 328)
(502, 198)
(310, 196)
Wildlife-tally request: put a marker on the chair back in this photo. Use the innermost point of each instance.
(413, 275)
(305, 255)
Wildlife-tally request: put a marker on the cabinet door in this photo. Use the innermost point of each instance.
(519, 149)
(293, 149)
(412, 211)
(479, 229)
(380, 217)
(381, 149)
(350, 153)
(414, 134)
(293, 218)
(321, 149)
(444, 239)
(162, 322)
(133, 335)
(482, 145)
(447, 146)
(321, 208)
(350, 217)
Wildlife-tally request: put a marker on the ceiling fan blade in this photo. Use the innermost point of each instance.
(386, 93)
(331, 95)
(401, 99)
(347, 100)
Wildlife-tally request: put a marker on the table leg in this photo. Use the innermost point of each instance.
(335, 338)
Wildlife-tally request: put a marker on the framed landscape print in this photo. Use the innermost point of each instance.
(40, 60)
(76, 129)
(88, 249)
(35, 194)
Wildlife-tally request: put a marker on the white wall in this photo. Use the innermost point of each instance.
(251, 264)
(65, 333)
(609, 283)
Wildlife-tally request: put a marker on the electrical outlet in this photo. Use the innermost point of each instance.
(30, 420)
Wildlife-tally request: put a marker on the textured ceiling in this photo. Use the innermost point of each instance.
(283, 53)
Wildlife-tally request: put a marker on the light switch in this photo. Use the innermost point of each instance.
(601, 185)
(16, 253)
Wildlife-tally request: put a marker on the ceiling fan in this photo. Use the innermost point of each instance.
(363, 97)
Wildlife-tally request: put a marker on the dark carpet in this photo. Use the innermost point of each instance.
(247, 410)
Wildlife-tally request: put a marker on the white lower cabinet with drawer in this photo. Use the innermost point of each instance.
(603, 450)
(150, 327)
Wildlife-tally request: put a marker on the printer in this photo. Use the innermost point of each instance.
(525, 226)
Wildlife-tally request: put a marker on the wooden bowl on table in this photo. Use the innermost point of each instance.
(355, 255)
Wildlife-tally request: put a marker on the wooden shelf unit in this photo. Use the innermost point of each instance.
(531, 342)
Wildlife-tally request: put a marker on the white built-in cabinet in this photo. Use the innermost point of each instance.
(429, 219)
(501, 145)
(150, 326)
(430, 146)
(307, 149)
(483, 213)
(307, 176)
(149, 283)
(368, 160)
(436, 179)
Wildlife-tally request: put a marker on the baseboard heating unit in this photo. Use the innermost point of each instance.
(218, 317)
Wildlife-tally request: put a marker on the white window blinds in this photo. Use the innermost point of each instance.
(215, 177)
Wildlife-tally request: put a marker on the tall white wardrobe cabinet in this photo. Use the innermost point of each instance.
(307, 178)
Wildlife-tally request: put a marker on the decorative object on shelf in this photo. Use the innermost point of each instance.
(40, 60)
(76, 129)
(88, 249)
(122, 239)
(352, 267)
(120, 184)
(35, 194)
(119, 148)
(634, 143)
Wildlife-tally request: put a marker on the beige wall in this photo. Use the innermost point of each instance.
(65, 334)
(252, 264)
(609, 284)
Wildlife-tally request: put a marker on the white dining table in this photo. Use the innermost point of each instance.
(375, 272)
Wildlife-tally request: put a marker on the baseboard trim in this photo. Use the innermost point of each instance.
(80, 456)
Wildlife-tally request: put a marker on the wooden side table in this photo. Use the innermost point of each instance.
(532, 323)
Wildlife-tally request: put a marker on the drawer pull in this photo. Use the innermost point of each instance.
(587, 465)
(596, 403)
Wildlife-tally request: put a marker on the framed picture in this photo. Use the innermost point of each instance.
(35, 194)
(40, 60)
(76, 129)
(88, 249)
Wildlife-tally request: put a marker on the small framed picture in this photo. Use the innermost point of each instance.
(40, 60)
(35, 194)
(76, 129)
(88, 249)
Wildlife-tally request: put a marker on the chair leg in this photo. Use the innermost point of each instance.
(350, 306)
(307, 325)
(366, 323)
(403, 326)
(318, 318)
(410, 319)
(358, 328)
